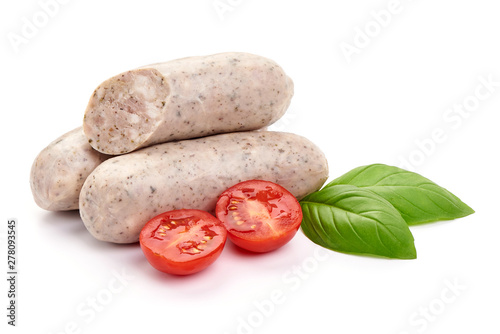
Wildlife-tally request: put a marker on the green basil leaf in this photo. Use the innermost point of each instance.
(353, 220)
(418, 199)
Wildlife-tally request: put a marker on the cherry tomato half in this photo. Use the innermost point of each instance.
(182, 242)
(260, 216)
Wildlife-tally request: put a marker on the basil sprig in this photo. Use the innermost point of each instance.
(368, 210)
(349, 219)
(419, 200)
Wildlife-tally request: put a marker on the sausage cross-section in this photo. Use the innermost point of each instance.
(186, 98)
(123, 193)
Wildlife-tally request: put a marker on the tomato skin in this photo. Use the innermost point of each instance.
(260, 216)
(182, 242)
(265, 245)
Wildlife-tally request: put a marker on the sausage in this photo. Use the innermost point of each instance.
(186, 98)
(59, 170)
(125, 192)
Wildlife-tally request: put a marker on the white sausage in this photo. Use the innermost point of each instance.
(186, 98)
(59, 170)
(124, 192)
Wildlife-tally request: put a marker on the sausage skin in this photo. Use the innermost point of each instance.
(59, 170)
(186, 98)
(122, 194)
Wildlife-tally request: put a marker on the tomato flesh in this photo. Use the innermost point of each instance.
(182, 242)
(260, 216)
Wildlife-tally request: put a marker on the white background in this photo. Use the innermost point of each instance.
(374, 106)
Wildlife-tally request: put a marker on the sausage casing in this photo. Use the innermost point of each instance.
(126, 191)
(186, 98)
(59, 171)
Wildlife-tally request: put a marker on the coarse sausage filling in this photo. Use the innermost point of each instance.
(128, 108)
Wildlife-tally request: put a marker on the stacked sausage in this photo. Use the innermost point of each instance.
(175, 135)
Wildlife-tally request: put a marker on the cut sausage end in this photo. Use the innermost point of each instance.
(125, 110)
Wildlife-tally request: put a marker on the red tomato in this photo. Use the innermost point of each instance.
(260, 216)
(182, 242)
